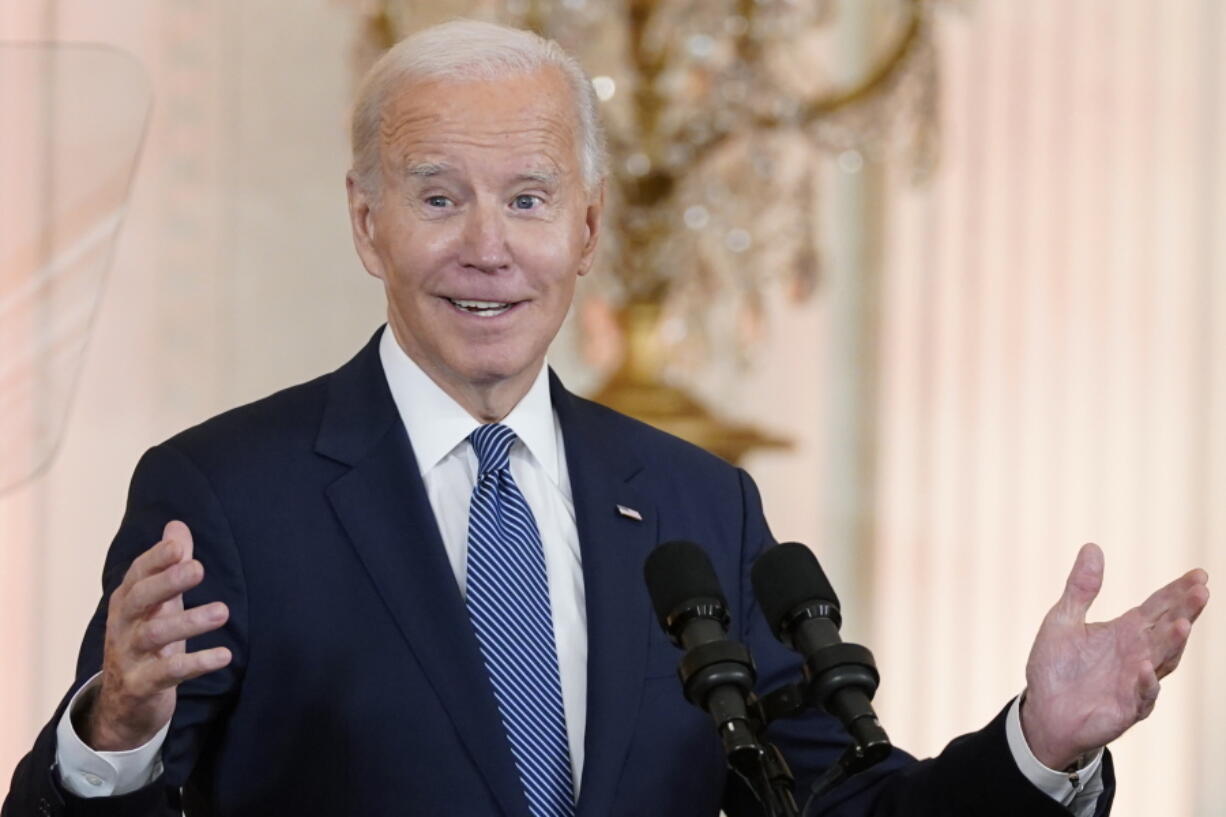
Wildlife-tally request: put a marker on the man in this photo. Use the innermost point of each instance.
(413, 586)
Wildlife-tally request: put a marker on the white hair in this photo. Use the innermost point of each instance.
(468, 50)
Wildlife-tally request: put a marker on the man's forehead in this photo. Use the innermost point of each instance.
(528, 105)
(542, 170)
(432, 127)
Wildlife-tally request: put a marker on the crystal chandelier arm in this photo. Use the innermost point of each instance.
(650, 55)
(873, 82)
(876, 79)
(747, 48)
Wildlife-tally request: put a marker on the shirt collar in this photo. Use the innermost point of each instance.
(436, 423)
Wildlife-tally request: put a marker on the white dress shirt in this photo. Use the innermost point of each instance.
(438, 429)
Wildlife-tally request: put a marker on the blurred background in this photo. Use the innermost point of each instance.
(947, 278)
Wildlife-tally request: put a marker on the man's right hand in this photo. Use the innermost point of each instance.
(145, 657)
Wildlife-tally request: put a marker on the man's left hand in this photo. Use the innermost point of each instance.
(1086, 684)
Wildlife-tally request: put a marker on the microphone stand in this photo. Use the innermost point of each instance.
(830, 674)
(766, 773)
(839, 679)
(718, 677)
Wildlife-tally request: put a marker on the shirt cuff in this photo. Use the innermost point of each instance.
(1063, 787)
(87, 773)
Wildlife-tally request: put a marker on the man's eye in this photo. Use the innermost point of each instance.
(526, 201)
(437, 201)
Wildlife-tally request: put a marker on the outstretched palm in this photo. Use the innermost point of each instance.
(1088, 683)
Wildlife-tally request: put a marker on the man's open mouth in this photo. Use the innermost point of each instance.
(482, 309)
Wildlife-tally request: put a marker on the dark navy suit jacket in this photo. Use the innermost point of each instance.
(356, 686)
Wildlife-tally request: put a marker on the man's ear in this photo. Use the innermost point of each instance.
(591, 223)
(362, 223)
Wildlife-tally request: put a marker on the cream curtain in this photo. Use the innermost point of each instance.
(1054, 368)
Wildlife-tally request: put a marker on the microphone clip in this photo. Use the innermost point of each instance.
(714, 664)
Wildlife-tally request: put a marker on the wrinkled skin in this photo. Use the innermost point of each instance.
(1087, 683)
(482, 199)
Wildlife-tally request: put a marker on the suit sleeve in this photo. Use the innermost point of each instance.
(166, 485)
(974, 776)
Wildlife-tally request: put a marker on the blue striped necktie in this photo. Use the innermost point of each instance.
(508, 602)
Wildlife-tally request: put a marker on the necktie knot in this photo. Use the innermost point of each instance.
(492, 444)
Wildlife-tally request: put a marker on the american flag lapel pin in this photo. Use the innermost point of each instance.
(630, 513)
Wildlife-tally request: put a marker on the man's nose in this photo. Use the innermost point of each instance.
(484, 242)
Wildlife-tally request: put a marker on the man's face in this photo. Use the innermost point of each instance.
(482, 227)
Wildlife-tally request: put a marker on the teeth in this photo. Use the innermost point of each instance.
(484, 309)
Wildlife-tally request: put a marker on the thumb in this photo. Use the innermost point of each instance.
(1084, 582)
(179, 532)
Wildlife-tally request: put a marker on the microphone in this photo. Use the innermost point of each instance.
(717, 674)
(803, 612)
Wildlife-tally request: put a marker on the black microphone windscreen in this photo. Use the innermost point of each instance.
(785, 577)
(677, 572)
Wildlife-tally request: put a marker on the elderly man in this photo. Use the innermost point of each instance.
(412, 586)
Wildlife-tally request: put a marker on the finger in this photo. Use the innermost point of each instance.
(175, 546)
(1194, 602)
(179, 532)
(1170, 642)
(1084, 582)
(1189, 604)
(1180, 596)
(160, 587)
(1147, 690)
(1205, 594)
(157, 558)
(155, 633)
(169, 672)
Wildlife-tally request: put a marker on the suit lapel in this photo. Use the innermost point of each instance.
(613, 547)
(382, 504)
